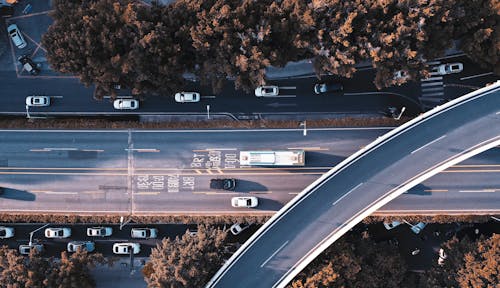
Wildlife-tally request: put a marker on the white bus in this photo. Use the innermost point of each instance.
(273, 158)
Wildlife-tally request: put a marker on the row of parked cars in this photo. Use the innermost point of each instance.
(320, 88)
(73, 246)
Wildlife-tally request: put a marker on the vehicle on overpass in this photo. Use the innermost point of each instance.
(273, 158)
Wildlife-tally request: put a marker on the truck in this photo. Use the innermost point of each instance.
(273, 158)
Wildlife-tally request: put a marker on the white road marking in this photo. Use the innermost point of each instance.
(430, 143)
(280, 96)
(476, 76)
(481, 190)
(209, 96)
(338, 200)
(431, 79)
(60, 149)
(142, 150)
(309, 148)
(288, 87)
(56, 96)
(431, 84)
(272, 255)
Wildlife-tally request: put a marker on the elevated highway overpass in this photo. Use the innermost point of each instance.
(360, 185)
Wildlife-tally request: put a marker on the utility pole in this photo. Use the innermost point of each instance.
(208, 112)
(304, 124)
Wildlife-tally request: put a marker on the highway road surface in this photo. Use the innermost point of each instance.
(154, 172)
(357, 187)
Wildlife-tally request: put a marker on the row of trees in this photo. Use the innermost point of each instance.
(34, 271)
(108, 42)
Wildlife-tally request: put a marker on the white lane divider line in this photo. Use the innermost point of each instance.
(338, 200)
(480, 190)
(275, 252)
(430, 143)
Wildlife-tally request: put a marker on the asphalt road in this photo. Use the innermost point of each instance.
(288, 242)
(151, 172)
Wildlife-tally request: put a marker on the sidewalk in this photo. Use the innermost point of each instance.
(119, 275)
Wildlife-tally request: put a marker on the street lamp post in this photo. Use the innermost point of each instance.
(304, 124)
(124, 223)
(208, 112)
(400, 114)
(33, 232)
(28, 112)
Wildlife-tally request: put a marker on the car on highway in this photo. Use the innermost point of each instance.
(6, 232)
(99, 231)
(184, 97)
(25, 249)
(144, 233)
(267, 91)
(73, 246)
(37, 101)
(29, 65)
(58, 232)
(238, 228)
(16, 36)
(246, 201)
(126, 104)
(391, 225)
(448, 68)
(322, 88)
(223, 184)
(126, 248)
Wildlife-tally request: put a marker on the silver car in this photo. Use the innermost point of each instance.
(58, 232)
(183, 97)
(16, 36)
(99, 231)
(126, 104)
(6, 232)
(144, 233)
(25, 249)
(73, 246)
(267, 91)
(126, 248)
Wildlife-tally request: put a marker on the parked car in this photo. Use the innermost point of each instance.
(266, 91)
(183, 97)
(401, 74)
(248, 202)
(144, 233)
(73, 246)
(238, 228)
(192, 231)
(29, 65)
(126, 248)
(37, 101)
(448, 68)
(442, 257)
(58, 232)
(391, 225)
(99, 231)
(6, 232)
(16, 36)
(223, 184)
(25, 249)
(328, 88)
(126, 104)
(418, 227)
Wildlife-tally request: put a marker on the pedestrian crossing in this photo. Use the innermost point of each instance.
(432, 89)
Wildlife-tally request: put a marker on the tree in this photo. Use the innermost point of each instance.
(188, 261)
(74, 270)
(481, 266)
(355, 261)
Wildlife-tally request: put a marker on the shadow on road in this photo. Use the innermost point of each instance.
(250, 186)
(15, 194)
(421, 190)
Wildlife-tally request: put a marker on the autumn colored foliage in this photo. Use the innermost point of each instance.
(148, 48)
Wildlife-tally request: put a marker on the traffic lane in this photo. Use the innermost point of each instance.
(319, 213)
(219, 149)
(65, 149)
(53, 247)
(63, 193)
(272, 191)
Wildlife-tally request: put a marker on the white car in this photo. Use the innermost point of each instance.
(99, 231)
(6, 232)
(267, 91)
(25, 249)
(391, 225)
(238, 228)
(183, 97)
(58, 232)
(73, 246)
(144, 233)
(126, 248)
(448, 68)
(37, 101)
(126, 104)
(16, 36)
(248, 202)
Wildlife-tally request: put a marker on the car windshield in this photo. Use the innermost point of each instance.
(59, 233)
(268, 90)
(249, 202)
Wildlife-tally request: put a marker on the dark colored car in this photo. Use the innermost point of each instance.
(29, 65)
(328, 87)
(223, 184)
